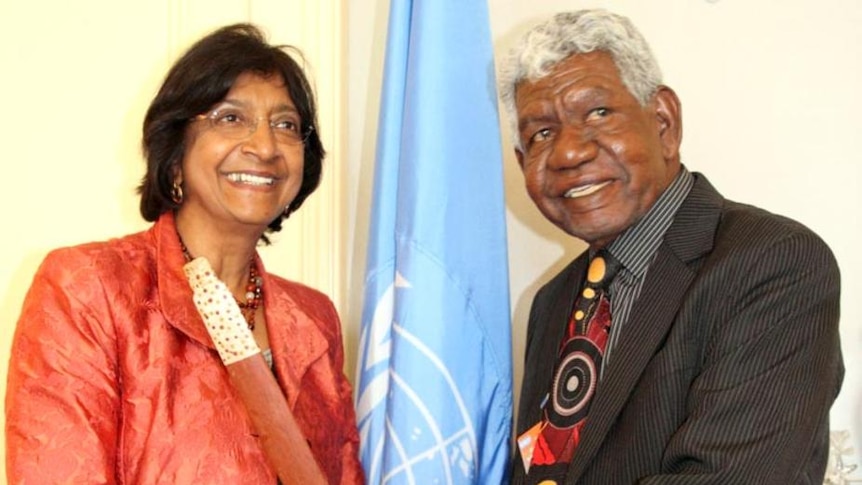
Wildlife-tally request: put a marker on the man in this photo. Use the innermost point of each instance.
(717, 358)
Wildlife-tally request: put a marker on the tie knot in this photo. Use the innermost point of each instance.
(602, 269)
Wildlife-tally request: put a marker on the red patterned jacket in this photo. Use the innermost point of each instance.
(114, 379)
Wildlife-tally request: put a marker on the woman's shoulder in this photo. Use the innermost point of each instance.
(299, 292)
(114, 256)
(86, 282)
(310, 301)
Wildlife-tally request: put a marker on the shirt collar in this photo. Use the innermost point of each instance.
(635, 247)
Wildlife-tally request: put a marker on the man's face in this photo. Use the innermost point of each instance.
(594, 159)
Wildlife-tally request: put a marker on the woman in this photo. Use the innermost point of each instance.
(113, 376)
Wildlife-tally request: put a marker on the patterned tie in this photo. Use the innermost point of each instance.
(578, 365)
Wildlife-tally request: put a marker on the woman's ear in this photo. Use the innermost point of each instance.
(668, 111)
(177, 173)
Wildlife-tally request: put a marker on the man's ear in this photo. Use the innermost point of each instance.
(668, 111)
(520, 156)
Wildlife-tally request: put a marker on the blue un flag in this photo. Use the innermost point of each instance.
(434, 375)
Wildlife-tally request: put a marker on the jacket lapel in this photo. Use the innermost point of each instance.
(689, 238)
(175, 294)
(294, 337)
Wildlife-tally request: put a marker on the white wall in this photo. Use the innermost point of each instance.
(771, 103)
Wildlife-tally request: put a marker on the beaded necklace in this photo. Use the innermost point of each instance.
(253, 290)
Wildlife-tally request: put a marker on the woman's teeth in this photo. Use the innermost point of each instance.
(245, 178)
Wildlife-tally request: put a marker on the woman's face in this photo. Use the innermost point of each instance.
(241, 176)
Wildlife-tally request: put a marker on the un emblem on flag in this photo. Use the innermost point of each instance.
(414, 422)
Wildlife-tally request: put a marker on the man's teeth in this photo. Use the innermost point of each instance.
(585, 190)
(245, 178)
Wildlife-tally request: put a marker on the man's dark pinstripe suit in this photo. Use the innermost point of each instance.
(727, 367)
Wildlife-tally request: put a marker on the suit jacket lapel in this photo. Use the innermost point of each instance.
(690, 237)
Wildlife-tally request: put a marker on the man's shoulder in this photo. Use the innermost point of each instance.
(745, 225)
(733, 226)
(752, 244)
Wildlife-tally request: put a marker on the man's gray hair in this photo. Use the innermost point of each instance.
(579, 32)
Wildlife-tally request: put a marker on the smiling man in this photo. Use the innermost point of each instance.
(696, 341)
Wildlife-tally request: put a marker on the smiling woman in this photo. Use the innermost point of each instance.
(125, 371)
(235, 173)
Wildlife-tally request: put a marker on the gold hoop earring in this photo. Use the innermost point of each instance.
(177, 193)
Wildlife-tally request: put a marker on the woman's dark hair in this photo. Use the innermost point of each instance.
(200, 79)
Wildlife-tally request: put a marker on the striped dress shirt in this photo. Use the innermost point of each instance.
(636, 248)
